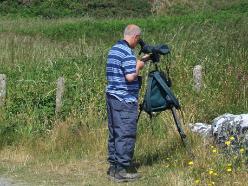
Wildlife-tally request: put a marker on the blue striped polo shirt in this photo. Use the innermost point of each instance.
(121, 61)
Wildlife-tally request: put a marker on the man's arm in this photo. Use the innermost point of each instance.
(139, 65)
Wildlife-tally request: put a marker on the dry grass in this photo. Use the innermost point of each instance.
(72, 149)
(165, 7)
(163, 161)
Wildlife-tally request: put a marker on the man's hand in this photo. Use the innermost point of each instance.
(146, 57)
(139, 65)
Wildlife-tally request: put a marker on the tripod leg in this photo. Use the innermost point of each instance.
(139, 116)
(179, 126)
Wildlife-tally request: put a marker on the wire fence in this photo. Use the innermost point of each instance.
(59, 90)
(60, 86)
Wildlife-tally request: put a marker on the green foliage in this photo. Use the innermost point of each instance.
(61, 8)
(35, 52)
(112, 8)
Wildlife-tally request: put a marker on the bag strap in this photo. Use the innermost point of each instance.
(148, 94)
(166, 89)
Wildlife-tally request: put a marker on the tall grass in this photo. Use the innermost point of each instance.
(35, 55)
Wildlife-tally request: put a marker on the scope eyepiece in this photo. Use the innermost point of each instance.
(155, 51)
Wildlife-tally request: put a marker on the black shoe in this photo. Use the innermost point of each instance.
(111, 171)
(123, 175)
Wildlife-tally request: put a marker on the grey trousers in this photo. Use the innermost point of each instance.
(122, 126)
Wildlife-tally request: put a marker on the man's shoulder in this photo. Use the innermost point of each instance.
(120, 46)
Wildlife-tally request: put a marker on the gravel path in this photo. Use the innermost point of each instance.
(5, 182)
(9, 182)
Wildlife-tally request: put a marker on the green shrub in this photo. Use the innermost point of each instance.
(61, 8)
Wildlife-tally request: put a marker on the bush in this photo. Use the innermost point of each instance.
(61, 8)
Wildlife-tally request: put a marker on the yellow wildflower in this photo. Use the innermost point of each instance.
(228, 143)
(214, 150)
(190, 163)
(229, 164)
(242, 150)
(229, 169)
(210, 172)
(210, 184)
(197, 181)
(232, 138)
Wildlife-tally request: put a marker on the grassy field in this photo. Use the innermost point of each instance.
(70, 149)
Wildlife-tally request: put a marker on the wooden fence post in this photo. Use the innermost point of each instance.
(2, 89)
(59, 94)
(197, 75)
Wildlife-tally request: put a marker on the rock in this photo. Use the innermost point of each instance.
(226, 130)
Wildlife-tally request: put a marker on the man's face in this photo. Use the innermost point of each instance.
(135, 41)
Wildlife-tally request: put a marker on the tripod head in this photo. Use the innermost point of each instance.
(155, 51)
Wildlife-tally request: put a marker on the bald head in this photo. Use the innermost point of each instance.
(132, 30)
(132, 35)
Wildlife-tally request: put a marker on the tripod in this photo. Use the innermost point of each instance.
(160, 81)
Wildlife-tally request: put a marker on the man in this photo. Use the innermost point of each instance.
(122, 90)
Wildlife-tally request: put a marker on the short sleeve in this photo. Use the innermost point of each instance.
(129, 64)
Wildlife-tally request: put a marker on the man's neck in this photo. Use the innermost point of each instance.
(127, 43)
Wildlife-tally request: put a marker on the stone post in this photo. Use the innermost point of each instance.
(59, 94)
(197, 75)
(2, 89)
